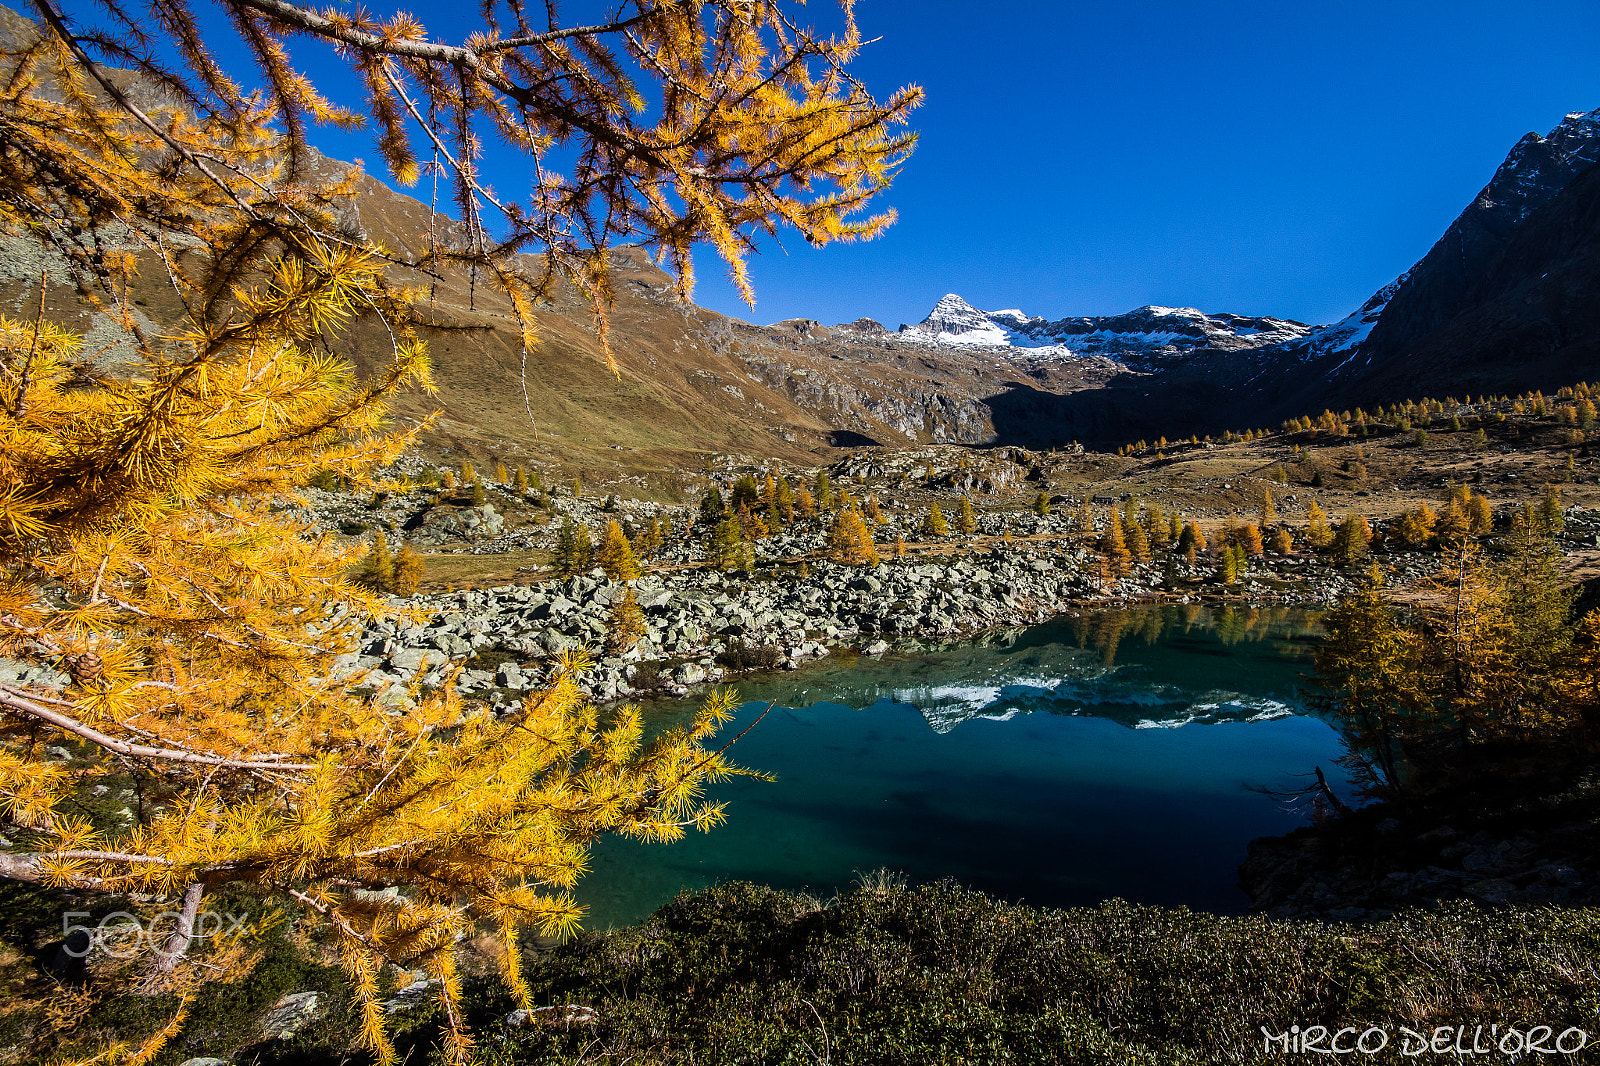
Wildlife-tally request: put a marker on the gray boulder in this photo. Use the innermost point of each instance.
(289, 1015)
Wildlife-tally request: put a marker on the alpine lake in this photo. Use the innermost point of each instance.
(1115, 753)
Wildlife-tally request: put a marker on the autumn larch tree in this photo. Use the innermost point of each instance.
(194, 624)
(651, 539)
(823, 491)
(1114, 546)
(1318, 533)
(377, 569)
(849, 540)
(1191, 541)
(728, 549)
(616, 556)
(1137, 542)
(784, 501)
(625, 623)
(1249, 539)
(966, 521)
(409, 566)
(1351, 538)
(804, 505)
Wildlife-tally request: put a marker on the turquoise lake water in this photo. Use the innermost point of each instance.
(1099, 756)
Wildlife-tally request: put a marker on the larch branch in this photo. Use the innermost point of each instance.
(19, 703)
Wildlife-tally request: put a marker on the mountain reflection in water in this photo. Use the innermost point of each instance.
(1042, 778)
(1143, 667)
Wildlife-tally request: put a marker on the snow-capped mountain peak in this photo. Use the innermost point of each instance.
(1143, 337)
(954, 321)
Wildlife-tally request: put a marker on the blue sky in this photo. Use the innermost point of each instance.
(1262, 158)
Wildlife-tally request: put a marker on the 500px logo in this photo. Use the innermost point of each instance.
(1460, 1041)
(122, 935)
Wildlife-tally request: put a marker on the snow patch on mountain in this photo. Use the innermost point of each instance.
(1346, 335)
(1144, 338)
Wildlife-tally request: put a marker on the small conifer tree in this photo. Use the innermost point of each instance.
(823, 491)
(1191, 541)
(1350, 540)
(563, 558)
(469, 473)
(582, 548)
(500, 473)
(377, 571)
(1551, 517)
(1318, 533)
(785, 500)
(519, 482)
(711, 506)
(651, 539)
(1453, 525)
(1249, 540)
(1480, 516)
(729, 550)
(752, 524)
(966, 521)
(1114, 546)
(408, 571)
(1154, 522)
(479, 495)
(1415, 527)
(1137, 542)
(616, 556)
(899, 545)
(934, 524)
(849, 541)
(1227, 565)
(746, 493)
(625, 623)
(1041, 504)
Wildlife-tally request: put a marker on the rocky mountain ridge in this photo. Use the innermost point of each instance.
(1146, 337)
(1502, 303)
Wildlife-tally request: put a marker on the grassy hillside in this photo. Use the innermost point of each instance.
(936, 974)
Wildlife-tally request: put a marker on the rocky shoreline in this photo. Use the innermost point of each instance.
(704, 625)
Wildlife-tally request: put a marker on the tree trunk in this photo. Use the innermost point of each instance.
(178, 943)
